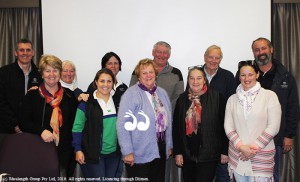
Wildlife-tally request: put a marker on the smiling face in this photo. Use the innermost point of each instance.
(68, 73)
(104, 84)
(262, 52)
(248, 77)
(212, 60)
(24, 53)
(147, 76)
(51, 76)
(113, 64)
(161, 55)
(196, 80)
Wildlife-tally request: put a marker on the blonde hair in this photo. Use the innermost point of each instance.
(143, 63)
(50, 60)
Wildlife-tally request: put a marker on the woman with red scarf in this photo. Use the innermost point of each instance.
(198, 129)
(49, 111)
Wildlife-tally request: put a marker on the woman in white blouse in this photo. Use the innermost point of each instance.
(252, 119)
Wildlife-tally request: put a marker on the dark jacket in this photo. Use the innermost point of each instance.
(223, 82)
(285, 87)
(211, 138)
(12, 93)
(91, 144)
(37, 114)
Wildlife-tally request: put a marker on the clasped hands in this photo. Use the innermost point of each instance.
(247, 152)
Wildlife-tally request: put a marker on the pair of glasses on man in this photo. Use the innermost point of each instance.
(197, 66)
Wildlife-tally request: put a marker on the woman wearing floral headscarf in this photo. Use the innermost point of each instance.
(198, 132)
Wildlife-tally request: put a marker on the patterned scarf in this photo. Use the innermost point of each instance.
(160, 112)
(193, 114)
(56, 120)
(246, 98)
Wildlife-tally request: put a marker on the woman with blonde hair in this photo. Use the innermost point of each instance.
(49, 111)
(144, 125)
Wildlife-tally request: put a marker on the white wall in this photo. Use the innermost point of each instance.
(83, 31)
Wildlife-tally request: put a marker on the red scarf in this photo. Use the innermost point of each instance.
(56, 120)
(193, 114)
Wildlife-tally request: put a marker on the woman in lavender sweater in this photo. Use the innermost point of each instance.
(144, 125)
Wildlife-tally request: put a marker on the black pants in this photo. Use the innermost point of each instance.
(199, 172)
(67, 163)
(154, 170)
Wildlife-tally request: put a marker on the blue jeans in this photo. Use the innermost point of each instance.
(222, 174)
(120, 169)
(108, 166)
(277, 163)
(240, 178)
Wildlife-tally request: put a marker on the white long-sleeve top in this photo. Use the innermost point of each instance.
(261, 125)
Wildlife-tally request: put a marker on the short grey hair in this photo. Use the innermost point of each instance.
(68, 62)
(163, 43)
(212, 47)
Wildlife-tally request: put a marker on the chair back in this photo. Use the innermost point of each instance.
(27, 155)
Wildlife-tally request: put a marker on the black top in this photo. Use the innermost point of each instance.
(37, 114)
(285, 87)
(210, 140)
(12, 93)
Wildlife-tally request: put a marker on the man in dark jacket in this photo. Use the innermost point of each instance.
(274, 76)
(223, 81)
(15, 80)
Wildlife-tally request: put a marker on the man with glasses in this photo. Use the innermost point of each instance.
(274, 76)
(222, 81)
(16, 79)
(170, 79)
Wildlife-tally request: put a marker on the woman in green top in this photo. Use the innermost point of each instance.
(94, 130)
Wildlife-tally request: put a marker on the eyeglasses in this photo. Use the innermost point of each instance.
(197, 66)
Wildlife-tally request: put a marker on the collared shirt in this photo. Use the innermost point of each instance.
(210, 77)
(118, 83)
(165, 68)
(109, 107)
(109, 133)
(26, 76)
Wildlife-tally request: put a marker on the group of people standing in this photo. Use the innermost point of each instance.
(219, 128)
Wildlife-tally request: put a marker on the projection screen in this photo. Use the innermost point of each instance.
(83, 31)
